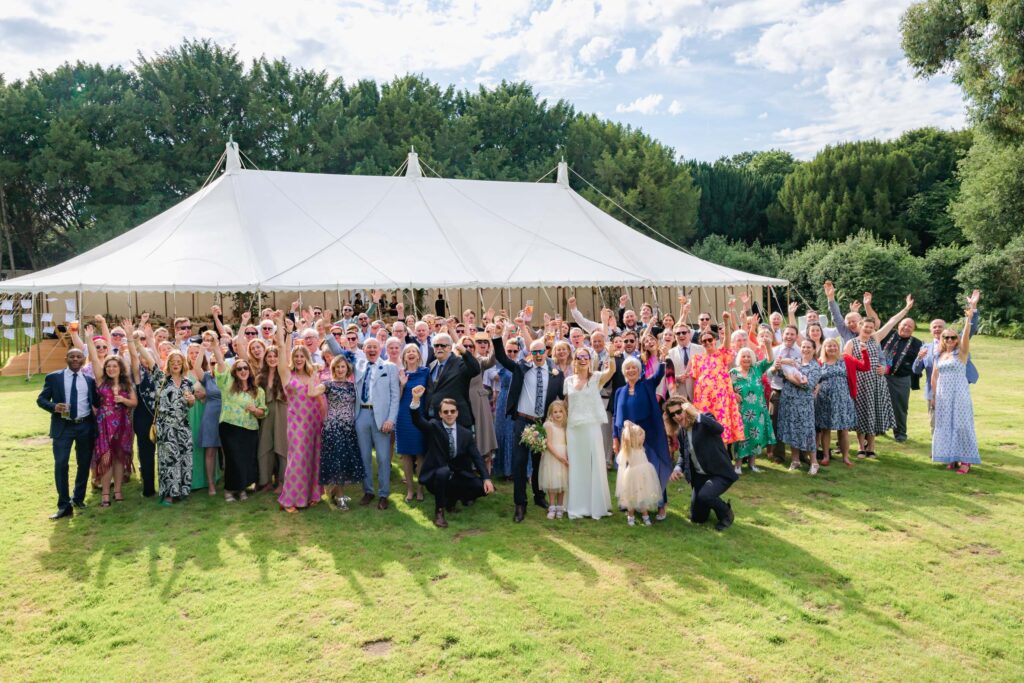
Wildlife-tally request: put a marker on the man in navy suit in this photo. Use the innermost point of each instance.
(703, 461)
(69, 396)
(535, 384)
(452, 469)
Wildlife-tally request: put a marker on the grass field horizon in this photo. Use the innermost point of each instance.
(891, 570)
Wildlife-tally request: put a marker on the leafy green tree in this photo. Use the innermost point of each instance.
(990, 207)
(750, 258)
(942, 289)
(1000, 276)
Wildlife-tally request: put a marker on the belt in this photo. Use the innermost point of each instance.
(366, 405)
(527, 417)
(77, 421)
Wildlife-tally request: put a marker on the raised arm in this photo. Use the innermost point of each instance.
(218, 323)
(283, 353)
(727, 332)
(793, 308)
(93, 356)
(607, 372)
(869, 312)
(893, 321)
(241, 348)
(965, 335)
(524, 330)
(218, 355)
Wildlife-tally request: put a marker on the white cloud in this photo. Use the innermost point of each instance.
(627, 61)
(597, 49)
(762, 116)
(664, 48)
(676, 108)
(642, 105)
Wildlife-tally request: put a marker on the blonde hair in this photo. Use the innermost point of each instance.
(308, 366)
(338, 360)
(565, 411)
(822, 358)
(633, 436)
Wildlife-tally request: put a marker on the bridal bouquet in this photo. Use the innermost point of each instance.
(535, 438)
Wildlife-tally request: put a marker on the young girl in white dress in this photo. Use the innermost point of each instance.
(553, 476)
(637, 486)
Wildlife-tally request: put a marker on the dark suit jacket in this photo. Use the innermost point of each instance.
(556, 380)
(453, 383)
(53, 393)
(467, 456)
(710, 450)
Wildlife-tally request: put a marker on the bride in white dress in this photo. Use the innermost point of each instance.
(588, 494)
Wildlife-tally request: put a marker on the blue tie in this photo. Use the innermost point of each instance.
(451, 442)
(437, 370)
(73, 400)
(538, 401)
(366, 384)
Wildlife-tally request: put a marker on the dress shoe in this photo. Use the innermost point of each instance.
(382, 504)
(439, 521)
(63, 512)
(366, 499)
(519, 514)
(724, 524)
(541, 501)
(80, 504)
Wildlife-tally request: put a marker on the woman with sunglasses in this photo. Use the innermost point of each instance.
(954, 441)
(408, 438)
(243, 405)
(173, 433)
(747, 381)
(712, 383)
(588, 494)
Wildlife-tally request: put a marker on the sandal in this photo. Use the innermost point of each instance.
(228, 498)
(105, 501)
(951, 466)
(861, 455)
(243, 496)
(871, 454)
(409, 499)
(118, 497)
(826, 459)
(964, 468)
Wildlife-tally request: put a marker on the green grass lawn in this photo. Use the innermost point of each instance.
(894, 570)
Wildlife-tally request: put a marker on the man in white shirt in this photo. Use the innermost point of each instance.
(682, 355)
(377, 397)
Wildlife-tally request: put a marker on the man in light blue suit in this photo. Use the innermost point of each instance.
(929, 354)
(377, 395)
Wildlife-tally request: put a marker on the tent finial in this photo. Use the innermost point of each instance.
(412, 169)
(232, 161)
(563, 173)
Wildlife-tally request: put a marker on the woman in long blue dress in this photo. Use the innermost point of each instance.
(340, 460)
(954, 441)
(637, 402)
(504, 428)
(796, 408)
(409, 439)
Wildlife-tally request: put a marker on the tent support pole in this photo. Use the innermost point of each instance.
(106, 300)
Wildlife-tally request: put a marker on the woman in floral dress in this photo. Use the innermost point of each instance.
(954, 441)
(174, 398)
(712, 383)
(796, 406)
(747, 382)
(112, 454)
(340, 460)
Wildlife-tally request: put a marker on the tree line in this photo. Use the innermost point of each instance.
(87, 152)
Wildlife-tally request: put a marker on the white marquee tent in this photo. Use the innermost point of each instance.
(253, 230)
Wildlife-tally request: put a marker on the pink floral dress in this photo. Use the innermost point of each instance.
(113, 432)
(301, 486)
(713, 392)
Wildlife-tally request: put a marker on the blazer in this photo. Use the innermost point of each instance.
(53, 393)
(435, 440)
(556, 380)
(710, 450)
(453, 383)
(642, 407)
(384, 394)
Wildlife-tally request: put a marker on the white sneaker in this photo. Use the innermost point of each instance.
(738, 470)
(630, 520)
(647, 520)
(559, 511)
(551, 512)
(814, 469)
(794, 467)
(755, 469)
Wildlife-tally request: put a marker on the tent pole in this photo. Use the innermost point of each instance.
(106, 300)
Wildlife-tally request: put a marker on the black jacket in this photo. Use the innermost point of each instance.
(467, 456)
(53, 393)
(453, 383)
(556, 380)
(710, 450)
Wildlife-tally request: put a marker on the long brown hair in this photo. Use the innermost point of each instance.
(236, 383)
(267, 376)
(124, 381)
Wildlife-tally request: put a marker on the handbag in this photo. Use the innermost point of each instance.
(156, 409)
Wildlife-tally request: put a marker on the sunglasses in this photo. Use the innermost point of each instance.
(450, 411)
(441, 346)
(267, 330)
(101, 347)
(582, 359)
(949, 336)
(538, 352)
(250, 333)
(707, 341)
(337, 334)
(117, 334)
(244, 368)
(352, 339)
(680, 333)
(511, 352)
(184, 327)
(675, 413)
(629, 341)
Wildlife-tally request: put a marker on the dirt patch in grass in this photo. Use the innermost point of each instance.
(981, 549)
(458, 536)
(378, 648)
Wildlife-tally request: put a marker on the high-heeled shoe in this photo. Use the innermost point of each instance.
(105, 500)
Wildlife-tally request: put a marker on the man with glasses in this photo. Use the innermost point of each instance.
(703, 324)
(347, 316)
(182, 334)
(363, 327)
(452, 468)
(535, 384)
(682, 355)
(449, 377)
(929, 354)
(377, 397)
(703, 461)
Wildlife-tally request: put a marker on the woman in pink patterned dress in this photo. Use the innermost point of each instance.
(712, 383)
(301, 487)
(112, 454)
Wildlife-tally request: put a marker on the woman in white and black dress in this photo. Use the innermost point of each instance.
(588, 494)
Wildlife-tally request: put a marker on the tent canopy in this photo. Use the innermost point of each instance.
(252, 230)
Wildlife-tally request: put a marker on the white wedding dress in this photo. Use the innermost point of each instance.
(588, 494)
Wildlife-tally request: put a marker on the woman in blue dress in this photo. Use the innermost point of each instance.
(796, 406)
(954, 441)
(504, 428)
(637, 402)
(340, 460)
(409, 439)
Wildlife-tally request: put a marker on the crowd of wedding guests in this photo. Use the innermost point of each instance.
(299, 404)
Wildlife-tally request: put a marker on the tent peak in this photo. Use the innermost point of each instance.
(413, 169)
(232, 161)
(563, 173)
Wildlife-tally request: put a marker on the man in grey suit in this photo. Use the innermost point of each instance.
(377, 396)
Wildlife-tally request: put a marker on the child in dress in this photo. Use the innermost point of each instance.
(637, 485)
(553, 476)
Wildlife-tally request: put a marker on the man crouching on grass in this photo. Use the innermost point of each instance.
(703, 461)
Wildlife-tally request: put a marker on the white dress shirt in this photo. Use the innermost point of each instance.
(83, 409)
(528, 397)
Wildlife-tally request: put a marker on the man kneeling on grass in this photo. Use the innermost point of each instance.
(452, 469)
(703, 461)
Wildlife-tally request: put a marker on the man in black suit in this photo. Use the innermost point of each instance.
(703, 461)
(449, 377)
(452, 469)
(535, 384)
(69, 396)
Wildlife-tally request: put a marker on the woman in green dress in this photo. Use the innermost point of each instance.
(757, 424)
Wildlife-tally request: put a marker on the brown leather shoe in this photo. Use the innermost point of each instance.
(440, 522)
(382, 504)
(520, 513)
(366, 499)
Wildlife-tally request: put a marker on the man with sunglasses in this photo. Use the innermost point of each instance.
(449, 377)
(182, 334)
(703, 461)
(347, 316)
(682, 355)
(452, 468)
(535, 384)
(929, 354)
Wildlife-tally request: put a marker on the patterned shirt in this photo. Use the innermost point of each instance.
(233, 404)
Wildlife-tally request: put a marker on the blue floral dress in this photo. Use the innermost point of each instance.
(340, 461)
(796, 410)
(833, 409)
(954, 439)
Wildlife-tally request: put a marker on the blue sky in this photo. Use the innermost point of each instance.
(709, 78)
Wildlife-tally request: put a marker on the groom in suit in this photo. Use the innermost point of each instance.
(703, 461)
(450, 374)
(377, 398)
(535, 384)
(452, 469)
(69, 396)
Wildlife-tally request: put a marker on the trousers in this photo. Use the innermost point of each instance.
(82, 436)
(451, 487)
(372, 439)
(707, 496)
(899, 392)
(521, 455)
